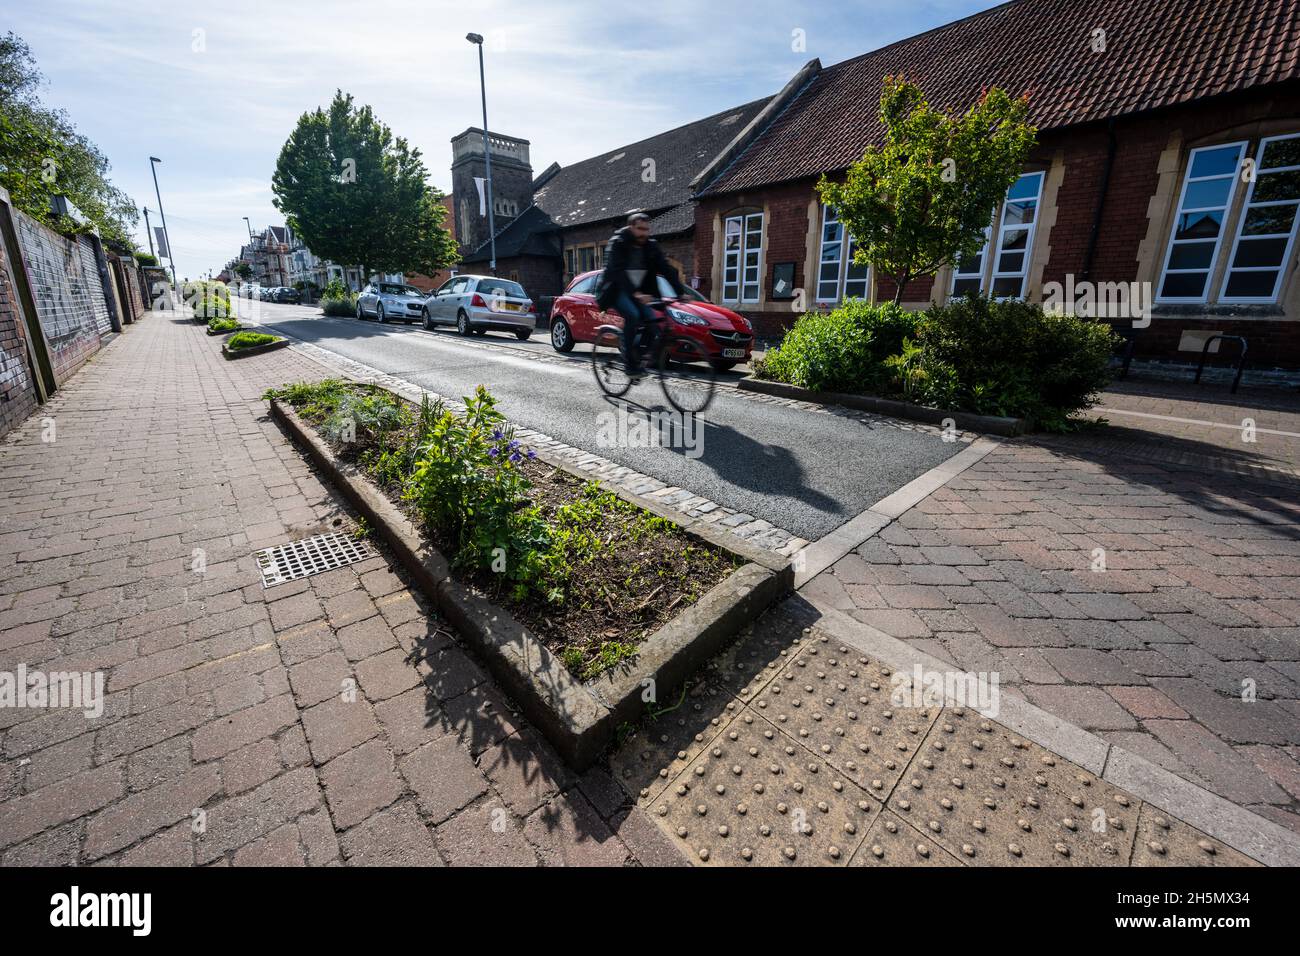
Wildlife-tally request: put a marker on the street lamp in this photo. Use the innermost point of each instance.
(171, 253)
(477, 40)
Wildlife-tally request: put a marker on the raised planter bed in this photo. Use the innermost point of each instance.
(253, 349)
(242, 328)
(967, 421)
(579, 717)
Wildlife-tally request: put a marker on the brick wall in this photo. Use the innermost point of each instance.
(17, 390)
(1135, 178)
(69, 298)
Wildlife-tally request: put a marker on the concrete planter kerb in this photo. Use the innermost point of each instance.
(579, 718)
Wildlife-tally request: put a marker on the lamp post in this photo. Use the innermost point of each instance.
(477, 40)
(171, 253)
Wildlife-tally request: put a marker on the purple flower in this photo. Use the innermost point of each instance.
(531, 454)
(512, 446)
(515, 457)
(492, 452)
(496, 434)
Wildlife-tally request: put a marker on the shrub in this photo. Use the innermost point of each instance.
(467, 484)
(364, 420)
(248, 340)
(223, 325)
(337, 299)
(840, 351)
(1009, 357)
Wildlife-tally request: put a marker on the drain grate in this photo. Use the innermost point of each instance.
(299, 559)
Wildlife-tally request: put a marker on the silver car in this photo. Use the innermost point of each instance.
(479, 304)
(390, 301)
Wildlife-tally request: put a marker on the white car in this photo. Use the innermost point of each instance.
(393, 301)
(478, 304)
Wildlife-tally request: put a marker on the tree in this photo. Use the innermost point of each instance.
(244, 271)
(358, 196)
(42, 155)
(923, 199)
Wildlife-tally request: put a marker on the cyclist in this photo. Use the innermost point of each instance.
(630, 282)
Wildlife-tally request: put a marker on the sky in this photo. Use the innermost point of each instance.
(214, 89)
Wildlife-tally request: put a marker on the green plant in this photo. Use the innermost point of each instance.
(842, 350)
(925, 196)
(311, 399)
(248, 340)
(222, 325)
(364, 420)
(1009, 357)
(467, 483)
(339, 305)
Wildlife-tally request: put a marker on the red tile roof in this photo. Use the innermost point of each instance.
(1158, 53)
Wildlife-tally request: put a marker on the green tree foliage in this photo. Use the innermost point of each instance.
(358, 195)
(42, 155)
(926, 196)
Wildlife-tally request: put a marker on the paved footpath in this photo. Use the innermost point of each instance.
(1142, 582)
(224, 737)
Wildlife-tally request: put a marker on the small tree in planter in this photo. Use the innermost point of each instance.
(924, 199)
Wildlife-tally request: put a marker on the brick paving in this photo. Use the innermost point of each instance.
(1141, 581)
(228, 735)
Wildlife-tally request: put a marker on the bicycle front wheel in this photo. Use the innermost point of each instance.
(686, 375)
(607, 363)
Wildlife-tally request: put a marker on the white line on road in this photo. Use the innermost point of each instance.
(1192, 421)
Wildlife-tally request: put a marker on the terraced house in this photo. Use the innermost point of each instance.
(1168, 153)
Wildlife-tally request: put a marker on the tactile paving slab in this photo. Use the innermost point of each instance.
(993, 798)
(893, 842)
(663, 748)
(838, 704)
(1163, 840)
(755, 797)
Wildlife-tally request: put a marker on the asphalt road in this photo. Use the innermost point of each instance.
(807, 472)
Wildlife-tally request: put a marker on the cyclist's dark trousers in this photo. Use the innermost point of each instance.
(635, 316)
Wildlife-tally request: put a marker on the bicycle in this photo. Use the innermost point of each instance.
(689, 390)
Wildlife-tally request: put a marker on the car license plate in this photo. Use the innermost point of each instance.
(510, 306)
(733, 353)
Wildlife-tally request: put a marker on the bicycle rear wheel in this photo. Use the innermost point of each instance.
(607, 363)
(690, 384)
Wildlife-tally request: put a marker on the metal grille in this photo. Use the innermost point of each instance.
(299, 559)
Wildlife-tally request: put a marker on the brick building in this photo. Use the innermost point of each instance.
(1147, 113)
(555, 225)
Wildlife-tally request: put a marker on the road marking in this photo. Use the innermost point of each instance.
(1193, 421)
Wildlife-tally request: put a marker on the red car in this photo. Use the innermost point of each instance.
(727, 338)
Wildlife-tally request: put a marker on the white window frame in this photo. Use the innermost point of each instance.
(1241, 225)
(843, 263)
(1179, 211)
(733, 260)
(1031, 230)
(957, 274)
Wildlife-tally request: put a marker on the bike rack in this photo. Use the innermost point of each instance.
(1130, 337)
(1241, 359)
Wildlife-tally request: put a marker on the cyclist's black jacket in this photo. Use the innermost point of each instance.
(619, 256)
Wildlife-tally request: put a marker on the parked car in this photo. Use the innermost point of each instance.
(727, 337)
(286, 295)
(390, 300)
(479, 304)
